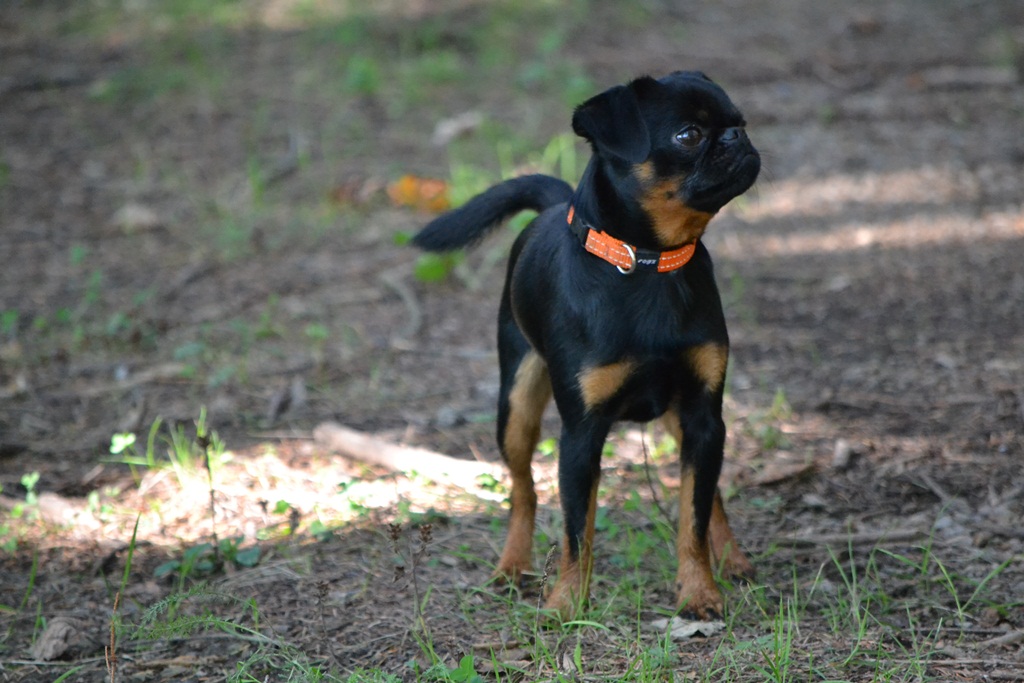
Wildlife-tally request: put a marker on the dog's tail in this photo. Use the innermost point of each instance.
(484, 212)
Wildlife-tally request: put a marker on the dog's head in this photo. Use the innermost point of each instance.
(681, 139)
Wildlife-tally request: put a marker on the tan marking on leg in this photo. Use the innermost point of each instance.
(670, 421)
(515, 558)
(600, 383)
(564, 596)
(709, 362)
(572, 590)
(695, 584)
(724, 547)
(673, 221)
(531, 391)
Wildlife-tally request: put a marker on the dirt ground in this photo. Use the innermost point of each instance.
(179, 232)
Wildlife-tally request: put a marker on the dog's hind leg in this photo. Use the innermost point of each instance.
(724, 547)
(525, 392)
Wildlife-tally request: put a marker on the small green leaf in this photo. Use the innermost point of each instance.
(488, 482)
(548, 446)
(317, 332)
(432, 267)
(8, 321)
(29, 480)
(79, 254)
(119, 442)
(319, 530)
(188, 350)
(196, 551)
(167, 568)
(466, 673)
(229, 546)
(249, 557)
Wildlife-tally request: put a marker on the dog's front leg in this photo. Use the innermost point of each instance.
(579, 472)
(701, 462)
(725, 549)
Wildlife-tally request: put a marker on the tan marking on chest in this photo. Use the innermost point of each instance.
(673, 221)
(708, 362)
(599, 384)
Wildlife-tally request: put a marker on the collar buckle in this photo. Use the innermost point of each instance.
(632, 260)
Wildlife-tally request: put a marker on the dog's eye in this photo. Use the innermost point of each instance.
(691, 136)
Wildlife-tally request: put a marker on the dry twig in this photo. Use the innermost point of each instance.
(861, 538)
(396, 457)
(110, 651)
(999, 641)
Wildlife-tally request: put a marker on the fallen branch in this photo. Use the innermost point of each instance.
(862, 538)
(963, 77)
(157, 373)
(373, 450)
(1010, 638)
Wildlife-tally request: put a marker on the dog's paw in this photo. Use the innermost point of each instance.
(703, 603)
(736, 566)
(510, 573)
(515, 557)
(565, 601)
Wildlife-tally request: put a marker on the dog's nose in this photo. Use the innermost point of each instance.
(731, 135)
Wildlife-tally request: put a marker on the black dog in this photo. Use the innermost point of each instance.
(610, 305)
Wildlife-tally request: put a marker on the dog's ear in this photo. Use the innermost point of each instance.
(613, 122)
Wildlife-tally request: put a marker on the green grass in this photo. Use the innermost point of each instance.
(187, 454)
(875, 613)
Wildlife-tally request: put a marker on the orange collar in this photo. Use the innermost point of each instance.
(626, 257)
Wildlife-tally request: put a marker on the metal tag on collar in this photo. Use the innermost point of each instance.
(632, 260)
